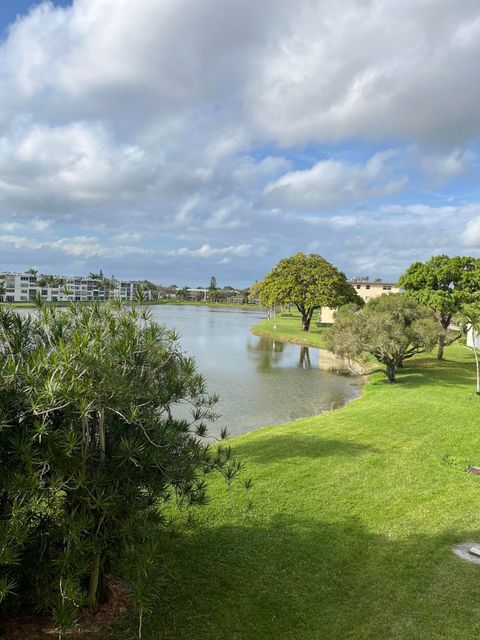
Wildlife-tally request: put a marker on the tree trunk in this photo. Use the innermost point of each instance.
(441, 346)
(93, 583)
(391, 372)
(477, 364)
(306, 319)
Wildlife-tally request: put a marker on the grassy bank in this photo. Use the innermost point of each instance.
(287, 328)
(349, 532)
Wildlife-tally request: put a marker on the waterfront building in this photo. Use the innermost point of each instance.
(25, 287)
(366, 289)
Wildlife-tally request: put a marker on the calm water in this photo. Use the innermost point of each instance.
(259, 381)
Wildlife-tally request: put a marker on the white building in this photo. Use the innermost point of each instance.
(25, 287)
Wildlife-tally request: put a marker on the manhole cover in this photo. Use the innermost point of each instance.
(464, 551)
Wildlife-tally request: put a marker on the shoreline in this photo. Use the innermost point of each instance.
(352, 367)
(146, 303)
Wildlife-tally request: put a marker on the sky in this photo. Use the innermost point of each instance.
(175, 139)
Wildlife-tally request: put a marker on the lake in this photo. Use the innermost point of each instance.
(260, 381)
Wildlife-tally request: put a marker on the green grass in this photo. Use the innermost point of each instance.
(288, 328)
(350, 527)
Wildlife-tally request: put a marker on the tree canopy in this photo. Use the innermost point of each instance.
(391, 328)
(308, 282)
(444, 284)
(92, 445)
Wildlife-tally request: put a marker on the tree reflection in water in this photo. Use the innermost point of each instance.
(304, 359)
(266, 353)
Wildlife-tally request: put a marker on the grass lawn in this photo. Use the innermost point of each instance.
(288, 328)
(349, 532)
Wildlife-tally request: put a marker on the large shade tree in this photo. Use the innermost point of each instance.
(307, 281)
(445, 284)
(92, 446)
(391, 328)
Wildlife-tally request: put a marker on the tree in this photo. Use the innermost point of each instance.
(91, 450)
(444, 284)
(469, 321)
(215, 295)
(213, 282)
(50, 280)
(307, 281)
(31, 271)
(182, 294)
(390, 328)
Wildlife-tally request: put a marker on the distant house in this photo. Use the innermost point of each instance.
(366, 289)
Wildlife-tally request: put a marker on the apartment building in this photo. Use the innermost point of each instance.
(25, 287)
(366, 289)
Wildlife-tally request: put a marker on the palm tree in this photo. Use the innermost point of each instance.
(470, 323)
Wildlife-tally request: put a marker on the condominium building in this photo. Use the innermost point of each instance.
(26, 287)
(366, 289)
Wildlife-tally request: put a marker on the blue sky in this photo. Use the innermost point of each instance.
(11, 9)
(176, 139)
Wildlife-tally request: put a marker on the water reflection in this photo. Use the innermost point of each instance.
(265, 353)
(304, 361)
(269, 354)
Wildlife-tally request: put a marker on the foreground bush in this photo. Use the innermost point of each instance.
(92, 444)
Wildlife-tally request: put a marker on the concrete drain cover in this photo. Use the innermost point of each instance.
(468, 551)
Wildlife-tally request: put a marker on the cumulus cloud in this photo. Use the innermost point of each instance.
(330, 182)
(77, 246)
(470, 236)
(206, 251)
(444, 166)
(177, 130)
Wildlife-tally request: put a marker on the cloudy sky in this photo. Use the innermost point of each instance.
(177, 139)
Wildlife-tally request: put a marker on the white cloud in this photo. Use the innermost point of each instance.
(181, 123)
(128, 237)
(470, 236)
(445, 166)
(331, 181)
(343, 222)
(77, 246)
(375, 69)
(206, 251)
(454, 212)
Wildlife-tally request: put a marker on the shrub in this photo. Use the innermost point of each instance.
(102, 421)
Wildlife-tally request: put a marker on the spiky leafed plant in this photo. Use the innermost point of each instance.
(92, 444)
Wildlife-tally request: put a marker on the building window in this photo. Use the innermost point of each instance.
(387, 288)
(359, 286)
(367, 286)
